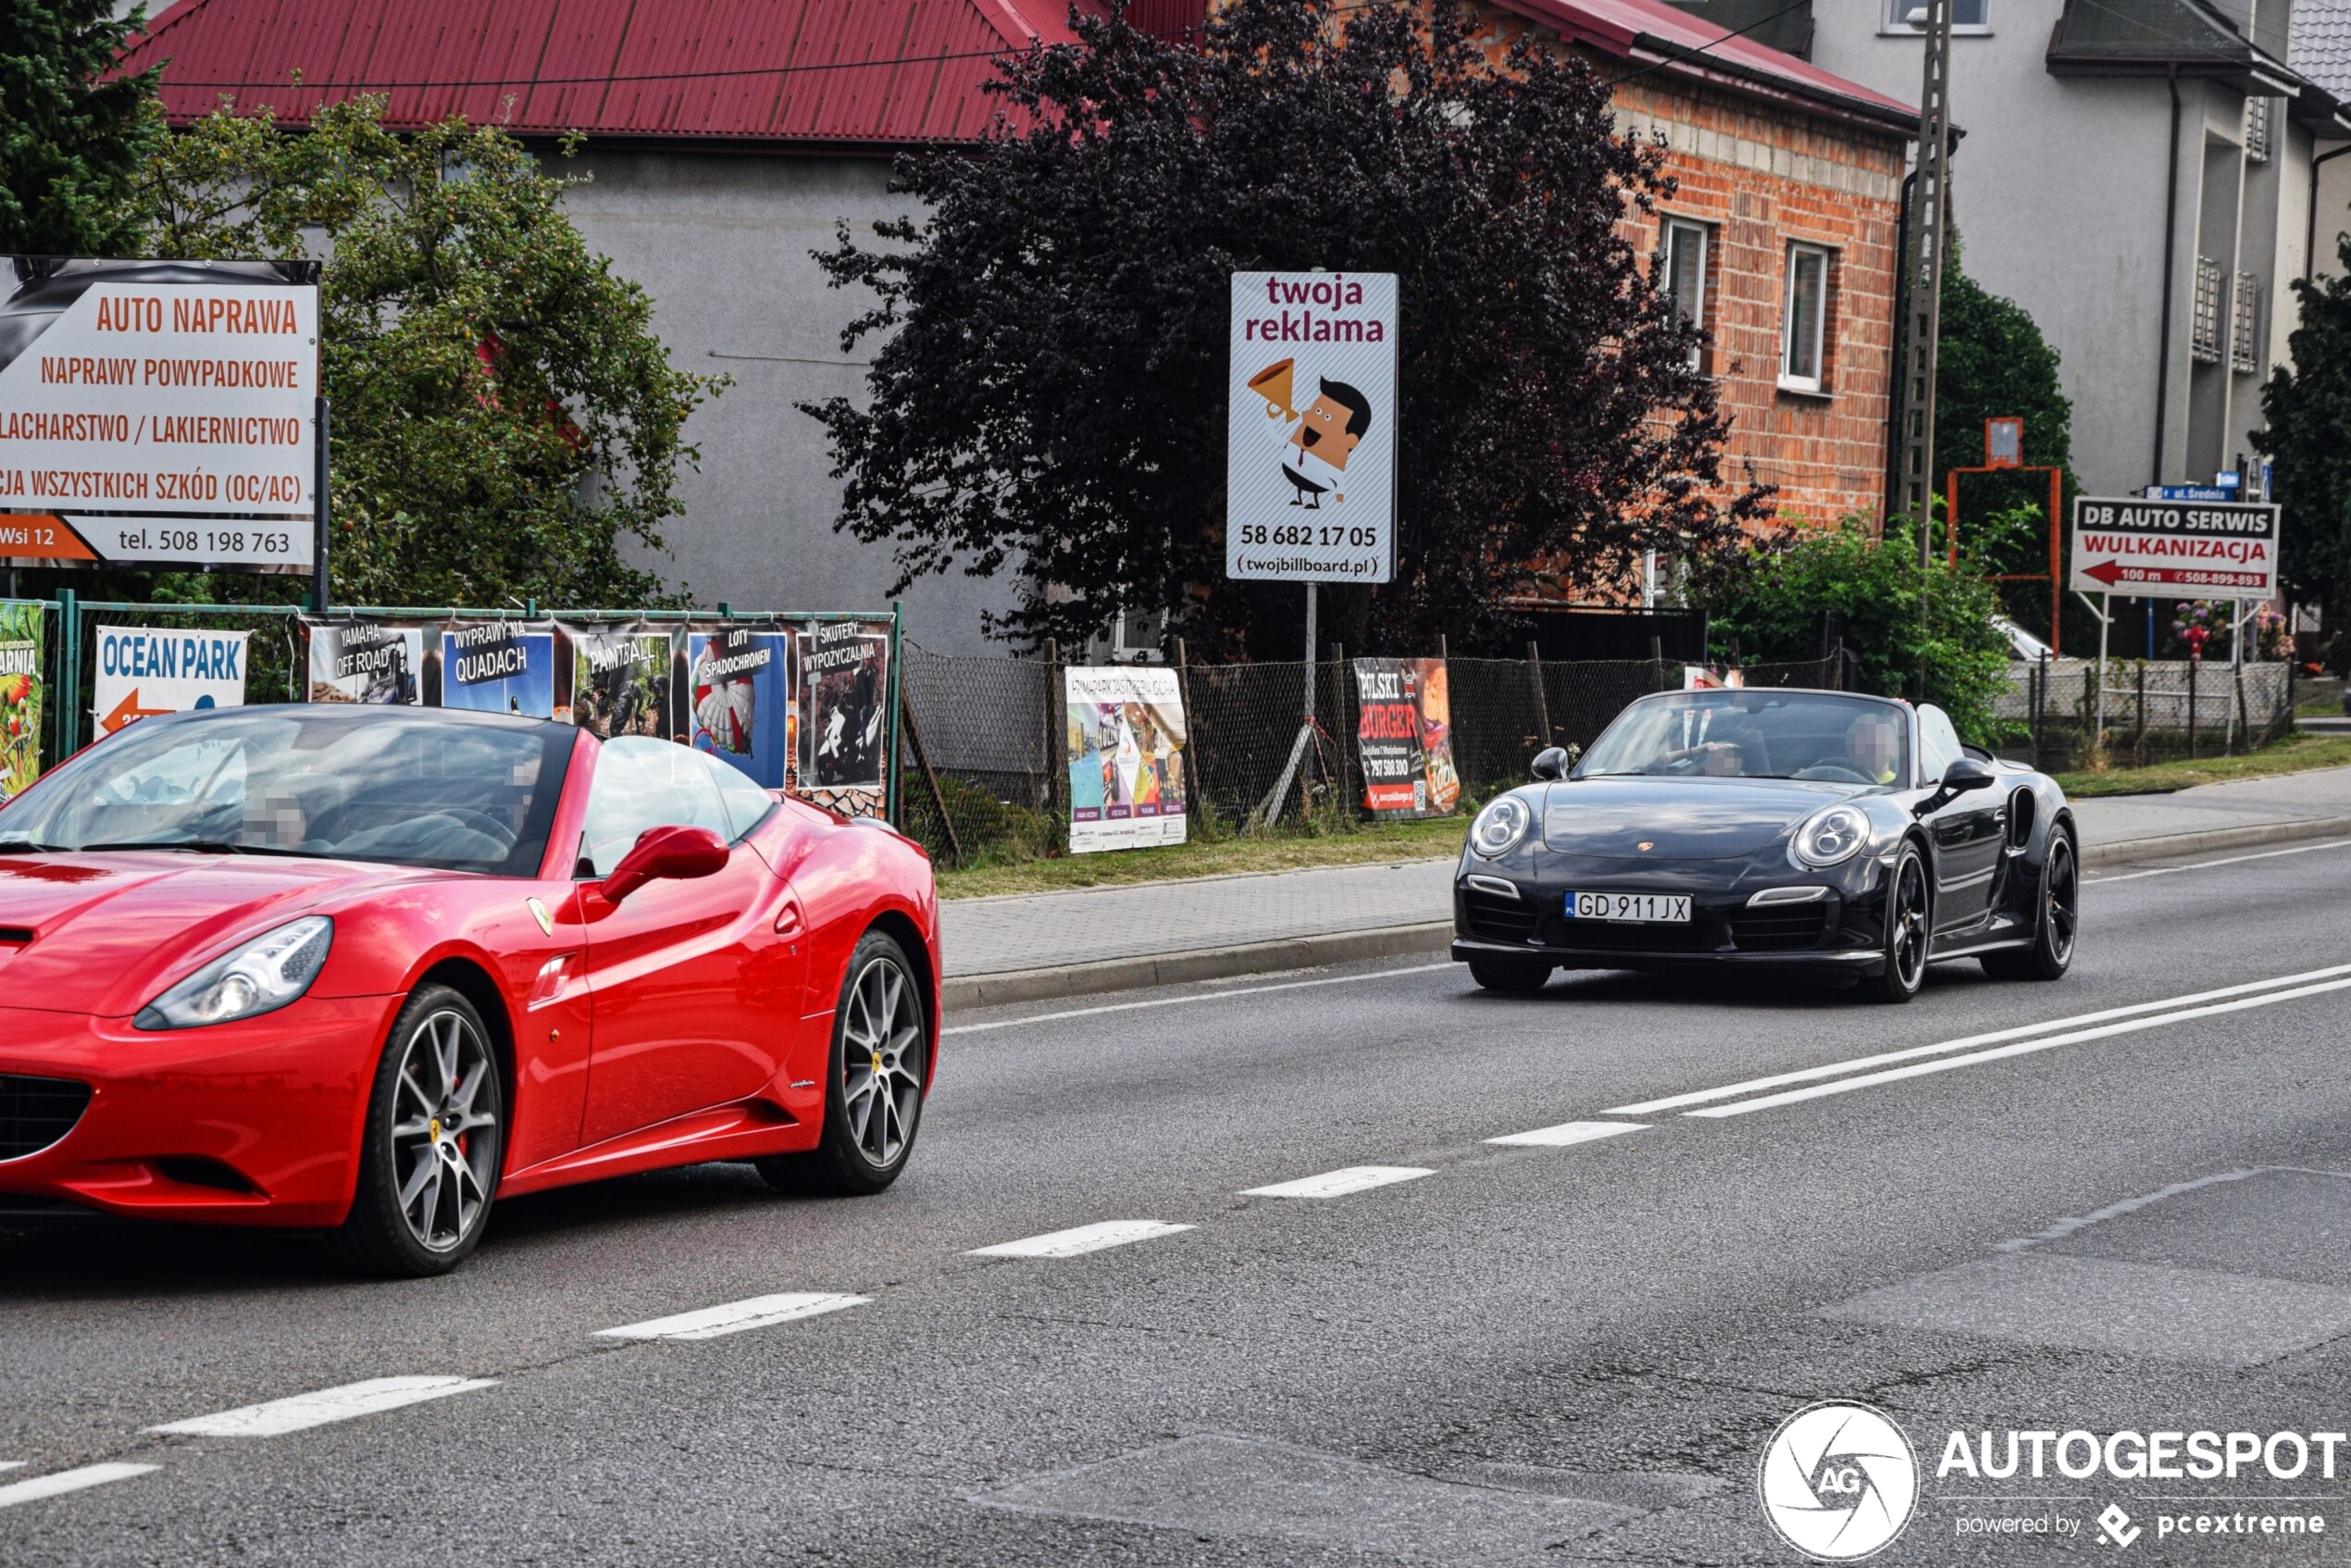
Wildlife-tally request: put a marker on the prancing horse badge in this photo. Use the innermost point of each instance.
(547, 921)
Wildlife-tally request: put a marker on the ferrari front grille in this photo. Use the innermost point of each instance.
(36, 1113)
(1785, 929)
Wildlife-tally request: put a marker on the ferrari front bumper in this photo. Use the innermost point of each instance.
(239, 1124)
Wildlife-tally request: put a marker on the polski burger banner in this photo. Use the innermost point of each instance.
(144, 671)
(1127, 764)
(1404, 737)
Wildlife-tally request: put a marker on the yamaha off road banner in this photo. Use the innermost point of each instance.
(1127, 764)
(22, 697)
(503, 667)
(622, 679)
(371, 662)
(844, 707)
(1309, 479)
(142, 671)
(1404, 737)
(739, 682)
(159, 413)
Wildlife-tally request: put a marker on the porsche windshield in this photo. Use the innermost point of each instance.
(1756, 735)
(408, 788)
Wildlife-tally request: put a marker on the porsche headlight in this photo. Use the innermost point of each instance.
(1831, 837)
(1500, 825)
(261, 976)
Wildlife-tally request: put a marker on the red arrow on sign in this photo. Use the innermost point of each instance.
(126, 711)
(2110, 573)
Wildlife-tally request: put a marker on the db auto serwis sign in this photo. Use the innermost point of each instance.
(2197, 549)
(1311, 448)
(157, 423)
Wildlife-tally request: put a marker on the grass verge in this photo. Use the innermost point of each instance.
(2294, 754)
(1219, 857)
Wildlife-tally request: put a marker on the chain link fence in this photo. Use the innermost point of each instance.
(2157, 710)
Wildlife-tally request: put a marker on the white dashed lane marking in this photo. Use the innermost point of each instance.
(302, 1412)
(1337, 1183)
(759, 1312)
(1567, 1133)
(64, 1481)
(1083, 1238)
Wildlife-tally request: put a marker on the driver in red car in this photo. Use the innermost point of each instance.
(1872, 745)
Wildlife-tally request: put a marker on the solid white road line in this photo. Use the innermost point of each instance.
(65, 1481)
(2201, 865)
(2025, 1047)
(1886, 1058)
(1083, 1239)
(1339, 1183)
(759, 1312)
(302, 1412)
(1203, 996)
(11, 1464)
(1567, 1133)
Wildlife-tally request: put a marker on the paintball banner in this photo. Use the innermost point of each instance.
(1404, 737)
(373, 662)
(624, 679)
(1127, 764)
(741, 687)
(22, 693)
(844, 680)
(503, 667)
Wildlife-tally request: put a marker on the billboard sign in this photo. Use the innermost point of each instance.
(1404, 737)
(151, 423)
(1311, 437)
(2202, 549)
(1127, 765)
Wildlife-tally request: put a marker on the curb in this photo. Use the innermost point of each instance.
(1395, 942)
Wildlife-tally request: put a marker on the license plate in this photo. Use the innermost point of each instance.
(1662, 909)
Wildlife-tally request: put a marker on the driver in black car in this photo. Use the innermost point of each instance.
(1872, 745)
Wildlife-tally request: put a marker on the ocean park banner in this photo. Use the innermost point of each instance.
(142, 671)
(1126, 764)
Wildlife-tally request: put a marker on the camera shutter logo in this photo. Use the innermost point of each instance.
(1838, 1481)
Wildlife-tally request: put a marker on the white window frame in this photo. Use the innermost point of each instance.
(1694, 310)
(1891, 25)
(1816, 384)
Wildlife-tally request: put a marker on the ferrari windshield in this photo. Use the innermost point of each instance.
(471, 792)
(1755, 734)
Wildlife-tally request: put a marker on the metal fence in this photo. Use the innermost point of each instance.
(2156, 710)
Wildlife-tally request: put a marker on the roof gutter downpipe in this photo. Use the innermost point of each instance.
(2170, 245)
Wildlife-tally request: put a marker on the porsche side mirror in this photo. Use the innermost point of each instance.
(1551, 762)
(1965, 775)
(676, 853)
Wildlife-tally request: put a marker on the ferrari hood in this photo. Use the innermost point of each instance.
(100, 933)
(1678, 818)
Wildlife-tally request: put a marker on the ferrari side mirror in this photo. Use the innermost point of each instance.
(674, 854)
(1551, 762)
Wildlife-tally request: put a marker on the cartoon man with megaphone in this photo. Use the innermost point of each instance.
(1315, 444)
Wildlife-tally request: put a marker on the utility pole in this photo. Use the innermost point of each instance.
(1922, 311)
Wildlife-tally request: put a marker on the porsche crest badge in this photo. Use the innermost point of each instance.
(547, 921)
(1645, 846)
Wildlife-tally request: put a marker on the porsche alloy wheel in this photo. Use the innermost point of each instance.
(1909, 927)
(879, 1068)
(2052, 951)
(434, 1137)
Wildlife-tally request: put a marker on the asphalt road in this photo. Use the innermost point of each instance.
(1530, 1354)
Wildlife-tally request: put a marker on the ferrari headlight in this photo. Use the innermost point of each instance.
(261, 976)
(1831, 837)
(1500, 825)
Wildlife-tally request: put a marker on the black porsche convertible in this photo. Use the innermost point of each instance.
(1842, 835)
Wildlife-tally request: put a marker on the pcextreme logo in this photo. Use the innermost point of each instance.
(1838, 1481)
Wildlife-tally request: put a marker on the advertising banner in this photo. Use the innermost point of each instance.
(1404, 737)
(624, 679)
(844, 706)
(503, 667)
(741, 685)
(1127, 764)
(2197, 549)
(144, 671)
(1311, 438)
(150, 423)
(22, 697)
(366, 661)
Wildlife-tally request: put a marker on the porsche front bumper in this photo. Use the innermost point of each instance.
(1838, 932)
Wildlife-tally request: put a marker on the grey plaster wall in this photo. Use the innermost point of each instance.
(722, 243)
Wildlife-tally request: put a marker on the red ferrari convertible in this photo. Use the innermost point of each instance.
(368, 968)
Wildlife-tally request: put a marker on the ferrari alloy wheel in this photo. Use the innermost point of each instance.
(875, 1083)
(1511, 978)
(429, 1166)
(2052, 951)
(1909, 927)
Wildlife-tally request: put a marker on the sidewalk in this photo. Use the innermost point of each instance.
(1029, 946)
